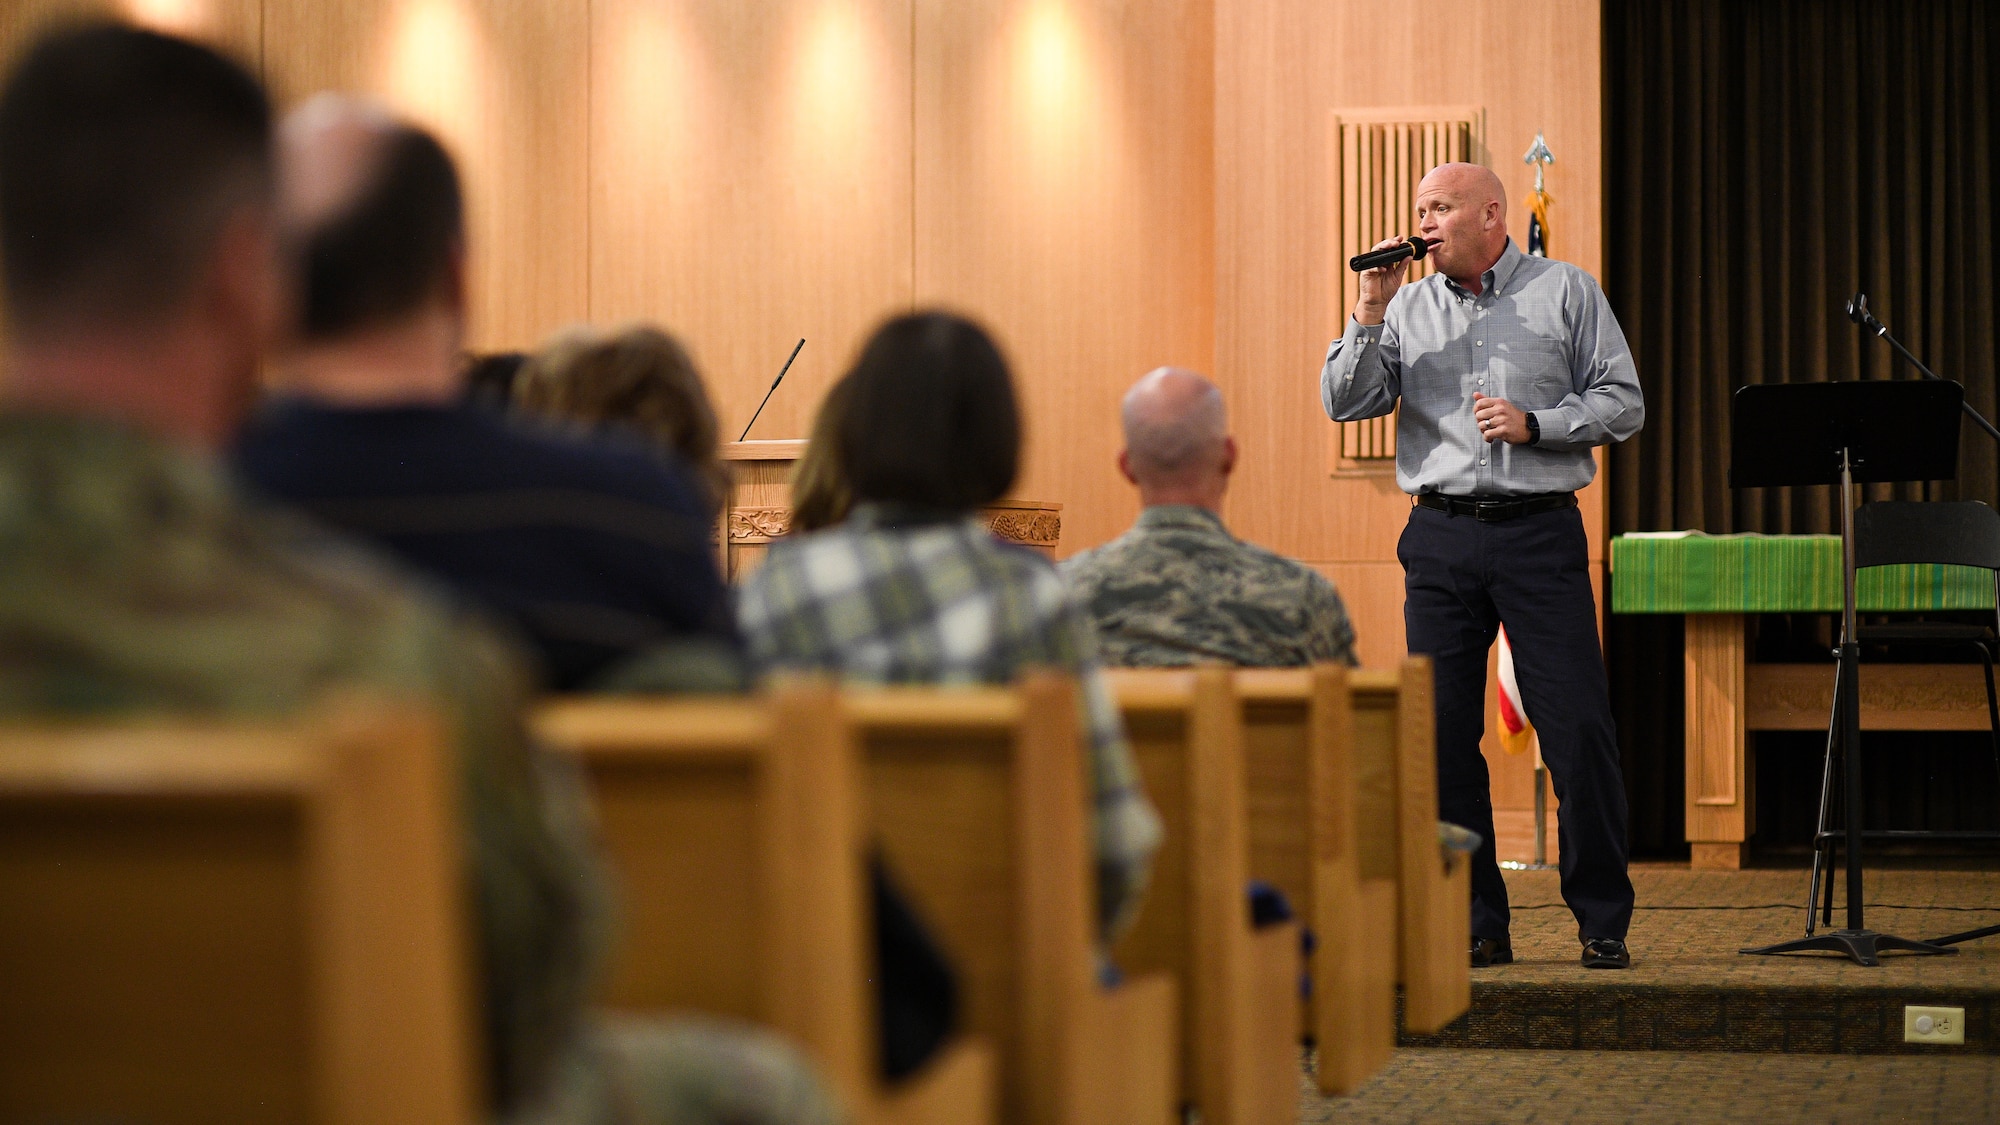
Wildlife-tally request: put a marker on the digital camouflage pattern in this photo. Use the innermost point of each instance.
(134, 578)
(1178, 589)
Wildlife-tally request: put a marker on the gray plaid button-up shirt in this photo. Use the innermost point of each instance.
(1540, 335)
(884, 598)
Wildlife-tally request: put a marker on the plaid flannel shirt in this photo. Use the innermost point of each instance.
(891, 596)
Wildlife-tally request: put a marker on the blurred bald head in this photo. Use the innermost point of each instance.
(378, 209)
(1177, 444)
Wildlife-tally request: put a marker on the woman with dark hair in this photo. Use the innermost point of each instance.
(912, 588)
(820, 494)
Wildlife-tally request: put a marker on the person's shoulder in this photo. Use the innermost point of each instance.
(606, 458)
(390, 610)
(825, 559)
(1533, 267)
(198, 598)
(1026, 564)
(1429, 287)
(1093, 564)
(1264, 567)
(607, 481)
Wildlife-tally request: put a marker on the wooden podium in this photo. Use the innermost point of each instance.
(759, 508)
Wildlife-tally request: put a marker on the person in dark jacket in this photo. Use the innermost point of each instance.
(596, 552)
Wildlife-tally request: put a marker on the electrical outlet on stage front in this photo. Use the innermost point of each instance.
(1933, 1025)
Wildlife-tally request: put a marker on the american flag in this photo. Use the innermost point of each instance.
(1538, 223)
(1516, 732)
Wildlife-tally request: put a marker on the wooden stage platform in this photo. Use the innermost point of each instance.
(1690, 990)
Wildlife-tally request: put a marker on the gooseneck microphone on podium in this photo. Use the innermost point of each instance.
(1412, 247)
(774, 388)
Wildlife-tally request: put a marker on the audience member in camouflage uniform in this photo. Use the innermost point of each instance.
(143, 283)
(1178, 588)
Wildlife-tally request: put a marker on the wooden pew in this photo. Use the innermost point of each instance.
(1305, 838)
(1395, 738)
(230, 922)
(978, 799)
(1239, 1029)
(734, 829)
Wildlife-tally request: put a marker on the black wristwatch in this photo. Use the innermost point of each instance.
(1534, 428)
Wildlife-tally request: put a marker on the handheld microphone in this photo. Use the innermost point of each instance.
(1411, 247)
(1857, 311)
(774, 387)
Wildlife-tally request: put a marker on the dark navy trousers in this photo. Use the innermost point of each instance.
(1463, 579)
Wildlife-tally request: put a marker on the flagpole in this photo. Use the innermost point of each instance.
(1541, 807)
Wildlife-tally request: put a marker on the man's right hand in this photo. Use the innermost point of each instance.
(1380, 284)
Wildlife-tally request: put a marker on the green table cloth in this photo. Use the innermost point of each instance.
(1689, 572)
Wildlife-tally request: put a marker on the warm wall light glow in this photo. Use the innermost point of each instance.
(1060, 92)
(1052, 68)
(185, 17)
(657, 85)
(435, 69)
(835, 78)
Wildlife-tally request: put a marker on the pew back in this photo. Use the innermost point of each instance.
(1239, 1028)
(734, 828)
(1306, 820)
(976, 797)
(234, 922)
(1396, 784)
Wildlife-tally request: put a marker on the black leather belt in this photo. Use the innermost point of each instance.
(1493, 509)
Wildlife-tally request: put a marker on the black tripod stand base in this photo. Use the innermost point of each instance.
(1860, 946)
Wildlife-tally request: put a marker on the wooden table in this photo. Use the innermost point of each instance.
(1716, 582)
(759, 510)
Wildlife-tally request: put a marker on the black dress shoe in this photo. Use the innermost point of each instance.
(1606, 953)
(1491, 951)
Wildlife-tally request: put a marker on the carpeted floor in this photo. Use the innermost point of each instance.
(1690, 924)
(1691, 990)
(1475, 1087)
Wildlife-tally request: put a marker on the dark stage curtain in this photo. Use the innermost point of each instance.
(1765, 160)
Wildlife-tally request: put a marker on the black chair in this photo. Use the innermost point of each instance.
(1958, 533)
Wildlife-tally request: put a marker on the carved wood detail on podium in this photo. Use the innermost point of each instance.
(759, 524)
(1030, 527)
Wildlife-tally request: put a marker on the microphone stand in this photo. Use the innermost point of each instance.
(780, 379)
(1857, 310)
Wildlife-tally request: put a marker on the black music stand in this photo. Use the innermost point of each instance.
(1845, 433)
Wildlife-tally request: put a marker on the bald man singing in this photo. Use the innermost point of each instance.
(1510, 369)
(1178, 588)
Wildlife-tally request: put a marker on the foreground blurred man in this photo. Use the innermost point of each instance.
(142, 282)
(597, 553)
(1179, 589)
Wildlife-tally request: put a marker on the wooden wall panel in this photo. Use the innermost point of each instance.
(751, 185)
(1064, 163)
(506, 87)
(236, 26)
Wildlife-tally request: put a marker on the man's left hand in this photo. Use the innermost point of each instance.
(1499, 420)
